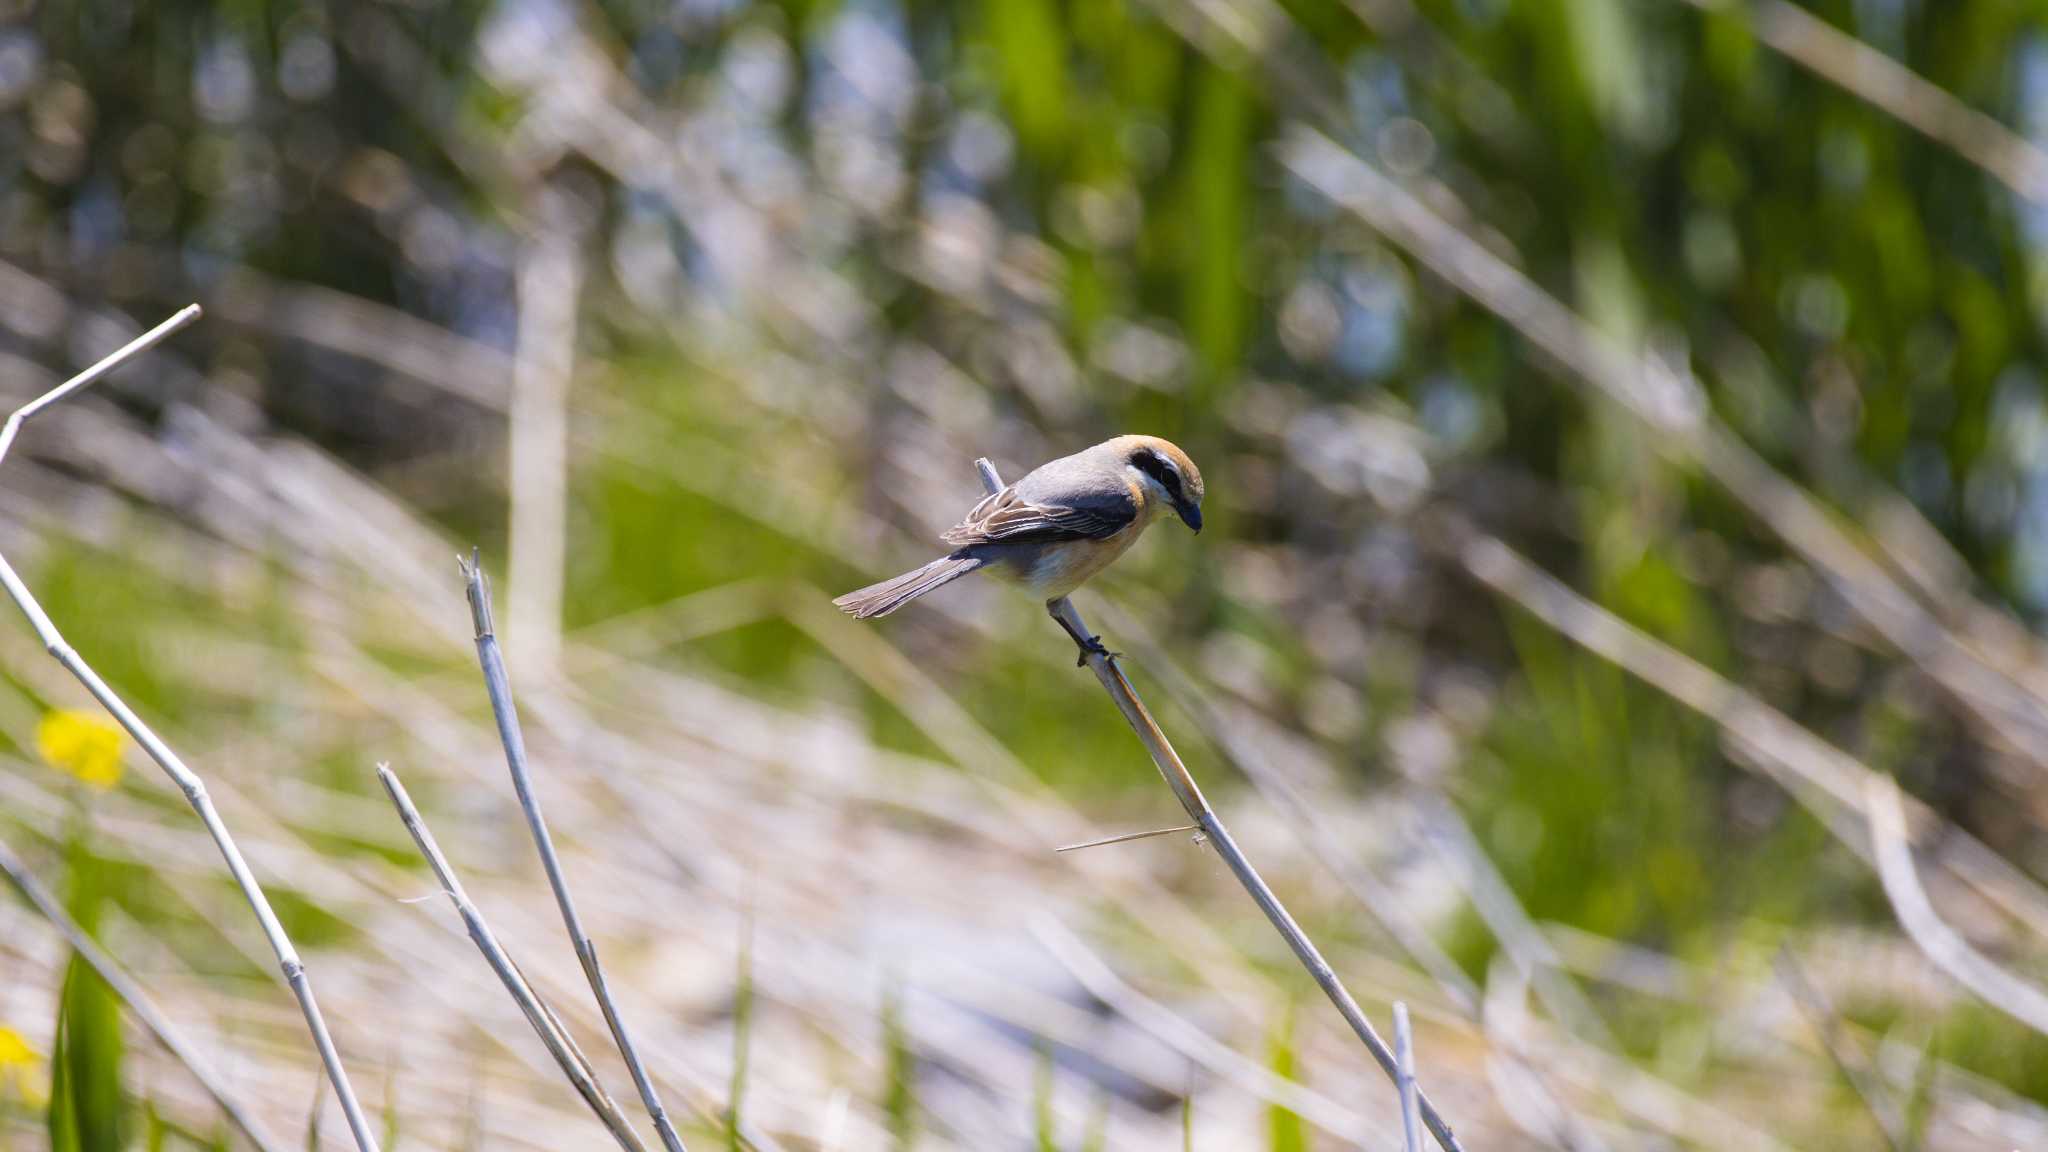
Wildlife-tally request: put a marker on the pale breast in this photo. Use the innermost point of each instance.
(1051, 569)
(1062, 568)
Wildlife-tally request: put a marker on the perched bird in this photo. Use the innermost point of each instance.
(1061, 524)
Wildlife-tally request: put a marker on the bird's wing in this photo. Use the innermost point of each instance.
(1008, 516)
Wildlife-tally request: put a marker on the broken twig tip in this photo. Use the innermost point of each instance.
(478, 590)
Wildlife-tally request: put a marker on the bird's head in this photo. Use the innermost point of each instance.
(1169, 474)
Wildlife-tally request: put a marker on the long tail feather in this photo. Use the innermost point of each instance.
(891, 594)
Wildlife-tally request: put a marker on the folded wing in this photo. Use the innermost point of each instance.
(1007, 516)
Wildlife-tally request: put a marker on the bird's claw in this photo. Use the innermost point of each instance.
(1089, 645)
(1092, 646)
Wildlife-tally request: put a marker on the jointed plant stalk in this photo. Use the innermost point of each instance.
(499, 685)
(137, 1000)
(188, 782)
(1404, 1056)
(1182, 782)
(545, 1023)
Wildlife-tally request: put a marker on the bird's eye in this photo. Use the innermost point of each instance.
(1159, 468)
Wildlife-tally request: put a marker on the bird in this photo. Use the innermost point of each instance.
(1059, 525)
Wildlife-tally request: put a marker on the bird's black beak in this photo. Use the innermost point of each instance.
(1192, 514)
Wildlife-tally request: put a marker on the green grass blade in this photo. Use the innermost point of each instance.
(1043, 1128)
(91, 1107)
(742, 1034)
(86, 1105)
(62, 1118)
(1920, 1103)
(1286, 1132)
(313, 1116)
(899, 1093)
(155, 1133)
(390, 1137)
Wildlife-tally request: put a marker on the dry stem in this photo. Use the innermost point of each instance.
(138, 1001)
(1182, 782)
(2017, 998)
(188, 782)
(498, 684)
(1404, 1058)
(544, 1021)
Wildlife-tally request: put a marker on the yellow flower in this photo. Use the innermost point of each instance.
(83, 744)
(18, 1063)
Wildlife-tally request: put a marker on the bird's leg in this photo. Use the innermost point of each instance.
(1089, 645)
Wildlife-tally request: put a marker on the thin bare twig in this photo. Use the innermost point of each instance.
(1125, 838)
(543, 1018)
(1182, 782)
(188, 782)
(1318, 833)
(499, 685)
(132, 994)
(1231, 731)
(1943, 945)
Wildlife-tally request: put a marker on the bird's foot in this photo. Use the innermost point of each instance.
(1089, 645)
(1092, 646)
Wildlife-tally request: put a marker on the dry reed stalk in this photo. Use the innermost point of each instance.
(545, 1023)
(499, 686)
(1233, 734)
(549, 282)
(188, 782)
(131, 993)
(1404, 1058)
(1225, 729)
(2020, 999)
(1182, 782)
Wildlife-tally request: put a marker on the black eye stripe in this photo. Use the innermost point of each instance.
(1158, 468)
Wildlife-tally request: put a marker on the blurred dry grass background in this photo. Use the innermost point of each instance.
(1623, 420)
